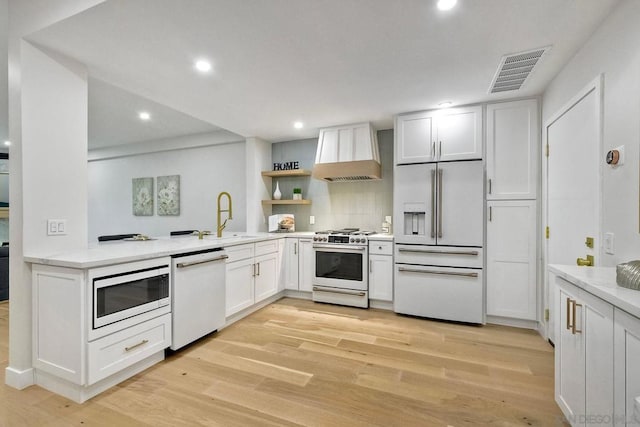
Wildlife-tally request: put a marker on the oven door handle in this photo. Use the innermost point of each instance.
(355, 248)
(339, 291)
(189, 264)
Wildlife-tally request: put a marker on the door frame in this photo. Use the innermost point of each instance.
(596, 86)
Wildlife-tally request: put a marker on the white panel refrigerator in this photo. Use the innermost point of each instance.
(439, 216)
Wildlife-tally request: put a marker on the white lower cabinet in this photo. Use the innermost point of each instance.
(298, 264)
(511, 259)
(381, 270)
(252, 274)
(584, 356)
(627, 369)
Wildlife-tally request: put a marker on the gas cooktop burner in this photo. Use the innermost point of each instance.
(344, 236)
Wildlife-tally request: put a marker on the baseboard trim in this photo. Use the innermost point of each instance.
(516, 323)
(247, 311)
(297, 294)
(18, 379)
(382, 305)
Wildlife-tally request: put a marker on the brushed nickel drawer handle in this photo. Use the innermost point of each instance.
(143, 342)
(338, 291)
(430, 251)
(189, 264)
(444, 273)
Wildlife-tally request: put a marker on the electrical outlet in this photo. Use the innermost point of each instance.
(56, 227)
(312, 220)
(609, 240)
(388, 219)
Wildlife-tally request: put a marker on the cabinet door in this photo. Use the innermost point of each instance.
(282, 264)
(569, 358)
(306, 265)
(414, 138)
(584, 355)
(381, 277)
(627, 368)
(512, 150)
(291, 254)
(459, 134)
(511, 259)
(266, 276)
(239, 285)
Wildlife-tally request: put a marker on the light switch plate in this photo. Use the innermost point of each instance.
(56, 227)
(609, 240)
(312, 219)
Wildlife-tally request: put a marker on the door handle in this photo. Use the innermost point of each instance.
(573, 327)
(490, 214)
(433, 150)
(443, 273)
(440, 150)
(489, 185)
(440, 174)
(189, 264)
(586, 262)
(295, 248)
(370, 266)
(433, 204)
(432, 251)
(568, 313)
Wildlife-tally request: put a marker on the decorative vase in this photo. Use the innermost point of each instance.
(277, 195)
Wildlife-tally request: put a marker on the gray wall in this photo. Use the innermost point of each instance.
(339, 204)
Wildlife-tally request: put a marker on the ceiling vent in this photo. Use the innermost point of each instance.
(514, 70)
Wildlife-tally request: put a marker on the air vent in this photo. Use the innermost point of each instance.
(514, 70)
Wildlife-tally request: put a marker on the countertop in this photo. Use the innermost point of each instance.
(601, 282)
(118, 252)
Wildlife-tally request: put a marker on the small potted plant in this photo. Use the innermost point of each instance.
(297, 193)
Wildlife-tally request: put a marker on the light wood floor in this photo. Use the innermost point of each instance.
(299, 363)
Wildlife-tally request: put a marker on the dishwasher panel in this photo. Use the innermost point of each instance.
(198, 295)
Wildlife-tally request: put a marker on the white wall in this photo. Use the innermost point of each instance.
(613, 50)
(25, 18)
(204, 173)
(258, 158)
(4, 83)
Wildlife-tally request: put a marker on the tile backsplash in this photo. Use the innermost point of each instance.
(362, 204)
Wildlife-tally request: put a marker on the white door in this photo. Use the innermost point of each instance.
(414, 203)
(459, 205)
(459, 133)
(573, 182)
(381, 277)
(239, 288)
(306, 264)
(415, 142)
(266, 279)
(291, 264)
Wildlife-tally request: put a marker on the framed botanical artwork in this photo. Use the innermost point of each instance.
(169, 195)
(142, 195)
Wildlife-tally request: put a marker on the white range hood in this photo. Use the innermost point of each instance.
(348, 153)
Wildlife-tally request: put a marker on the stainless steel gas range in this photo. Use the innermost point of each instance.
(341, 267)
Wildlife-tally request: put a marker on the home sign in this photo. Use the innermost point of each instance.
(286, 166)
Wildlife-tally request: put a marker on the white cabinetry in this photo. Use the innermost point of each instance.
(583, 356)
(442, 135)
(347, 143)
(381, 270)
(76, 360)
(298, 264)
(627, 368)
(511, 191)
(252, 274)
(511, 259)
(512, 150)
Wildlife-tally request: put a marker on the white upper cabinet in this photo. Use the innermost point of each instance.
(512, 150)
(442, 135)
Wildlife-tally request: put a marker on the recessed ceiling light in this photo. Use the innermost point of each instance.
(446, 4)
(143, 115)
(298, 125)
(7, 143)
(445, 104)
(202, 65)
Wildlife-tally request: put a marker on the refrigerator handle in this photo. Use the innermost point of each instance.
(440, 172)
(433, 204)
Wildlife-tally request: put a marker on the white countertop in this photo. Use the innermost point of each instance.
(118, 251)
(601, 282)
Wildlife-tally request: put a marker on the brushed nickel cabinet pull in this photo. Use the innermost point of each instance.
(489, 185)
(370, 266)
(433, 204)
(295, 248)
(440, 174)
(490, 213)
(431, 251)
(143, 342)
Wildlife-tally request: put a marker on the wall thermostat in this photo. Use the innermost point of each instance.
(615, 157)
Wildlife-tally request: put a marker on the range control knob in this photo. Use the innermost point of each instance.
(325, 239)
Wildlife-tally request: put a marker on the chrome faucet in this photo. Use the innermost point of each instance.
(229, 210)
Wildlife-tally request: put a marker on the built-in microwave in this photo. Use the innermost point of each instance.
(120, 296)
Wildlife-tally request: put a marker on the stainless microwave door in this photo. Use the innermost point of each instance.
(459, 210)
(414, 207)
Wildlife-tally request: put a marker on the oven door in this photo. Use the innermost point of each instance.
(341, 266)
(122, 296)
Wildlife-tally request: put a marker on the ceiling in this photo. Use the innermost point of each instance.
(323, 62)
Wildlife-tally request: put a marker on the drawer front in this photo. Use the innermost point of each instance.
(266, 247)
(380, 248)
(439, 255)
(238, 252)
(117, 351)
